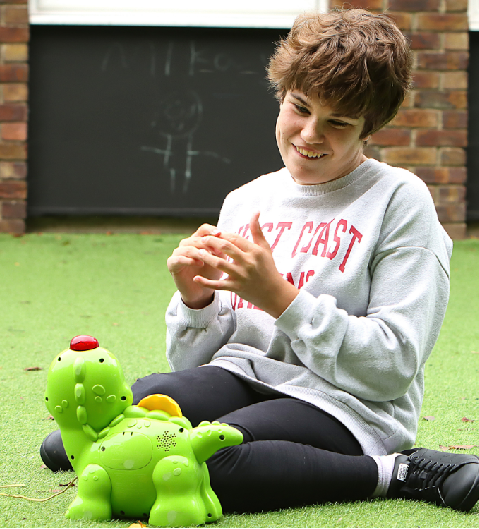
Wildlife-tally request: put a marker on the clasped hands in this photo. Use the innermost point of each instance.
(199, 264)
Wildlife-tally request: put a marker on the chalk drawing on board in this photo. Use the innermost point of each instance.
(177, 119)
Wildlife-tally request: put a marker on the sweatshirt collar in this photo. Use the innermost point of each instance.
(334, 185)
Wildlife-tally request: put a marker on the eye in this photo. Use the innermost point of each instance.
(338, 124)
(300, 109)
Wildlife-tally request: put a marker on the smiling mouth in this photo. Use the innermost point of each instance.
(311, 155)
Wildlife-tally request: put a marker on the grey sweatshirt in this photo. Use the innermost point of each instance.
(372, 264)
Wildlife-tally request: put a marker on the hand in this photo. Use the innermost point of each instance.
(185, 263)
(250, 268)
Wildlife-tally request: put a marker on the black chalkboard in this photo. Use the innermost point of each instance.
(147, 120)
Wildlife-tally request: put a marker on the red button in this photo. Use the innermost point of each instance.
(83, 343)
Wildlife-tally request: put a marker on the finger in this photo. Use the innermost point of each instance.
(188, 252)
(206, 229)
(227, 245)
(221, 284)
(257, 232)
(218, 262)
(180, 260)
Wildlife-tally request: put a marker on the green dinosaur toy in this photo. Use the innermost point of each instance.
(132, 461)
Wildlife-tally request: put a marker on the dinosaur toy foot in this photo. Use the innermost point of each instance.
(93, 499)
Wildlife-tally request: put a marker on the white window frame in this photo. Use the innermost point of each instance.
(473, 14)
(202, 13)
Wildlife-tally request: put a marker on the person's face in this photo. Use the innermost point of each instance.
(317, 145)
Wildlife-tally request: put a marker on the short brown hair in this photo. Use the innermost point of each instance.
(357, 62)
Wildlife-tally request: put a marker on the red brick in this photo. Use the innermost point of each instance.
(425, 80)
(14, 170)
(456, 5)
(456, 41)
(13, 113)
(403, 20)
(451, 212)
(391, 137)
(15, 52)
(442, 175)
(14, 210)
(454, 156)
(440, 22)
(13, 73)
(14, 131)
(416, 118)
(441, 138)
(374, 5)
(15, 15)
(409, 156)
(456, 230)
(14, 34)
(408, 100)
(15, 92)
(13, 152)
(12, 190)
(452, 193)
(450, 60)
(434, 193)
(14, 226)
(455, 80)
(441, 100)
(372, 152)
(414, 5)
(421, 40)
(454, 119)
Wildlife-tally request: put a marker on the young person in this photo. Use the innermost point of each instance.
(305, 318)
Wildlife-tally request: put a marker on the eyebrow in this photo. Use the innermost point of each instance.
(334, 114)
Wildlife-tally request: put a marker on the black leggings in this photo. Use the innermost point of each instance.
(292, 453)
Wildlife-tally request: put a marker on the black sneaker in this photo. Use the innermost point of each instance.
(53, 454)
(448, 480)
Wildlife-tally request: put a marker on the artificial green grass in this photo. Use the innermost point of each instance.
(116, 288)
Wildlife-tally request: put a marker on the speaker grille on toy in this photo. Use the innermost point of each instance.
(166, 441)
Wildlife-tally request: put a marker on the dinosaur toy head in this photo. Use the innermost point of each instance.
(86, 386)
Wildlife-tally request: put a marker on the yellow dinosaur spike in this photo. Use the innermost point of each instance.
(161, 402)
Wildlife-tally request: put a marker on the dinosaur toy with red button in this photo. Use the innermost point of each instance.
(143, 461)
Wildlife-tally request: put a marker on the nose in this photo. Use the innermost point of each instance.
(313, 131)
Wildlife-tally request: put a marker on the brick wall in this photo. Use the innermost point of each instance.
(429, 134)
(14, 35)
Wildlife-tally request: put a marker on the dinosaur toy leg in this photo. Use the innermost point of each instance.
(177, 480)
(212, 504)
(93, 499)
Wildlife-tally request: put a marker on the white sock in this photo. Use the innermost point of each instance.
(385, 473)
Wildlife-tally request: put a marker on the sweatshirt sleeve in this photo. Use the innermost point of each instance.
(377, 356)
(194, 336)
